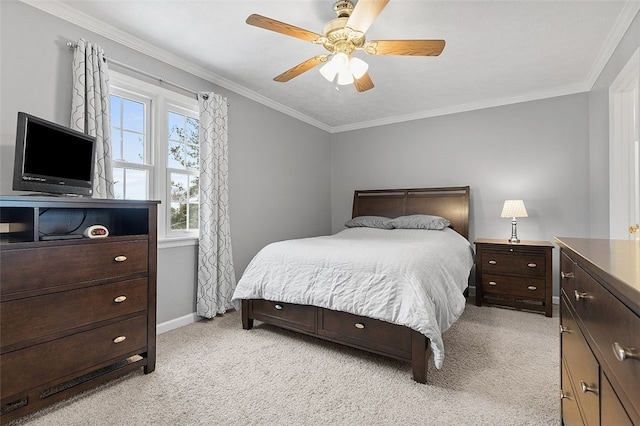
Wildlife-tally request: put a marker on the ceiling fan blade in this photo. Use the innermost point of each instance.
(363, 83)
(300, 68)
(281, 27)
(405, 47)
(365, 12)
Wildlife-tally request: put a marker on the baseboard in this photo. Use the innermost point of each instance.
(177, 323)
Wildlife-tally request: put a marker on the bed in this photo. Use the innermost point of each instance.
(406, 314)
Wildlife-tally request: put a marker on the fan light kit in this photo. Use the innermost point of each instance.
(342, 37)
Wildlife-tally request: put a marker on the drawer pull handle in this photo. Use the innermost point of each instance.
(581, 295)
(622, 353)
(359, 325)
(586, 388)
(492, 262)
(119, 339)
(564, 395)
(531, 265)
(120, 299)
(532, 287)
(566, 275)
(564, 329)
(278, 307)
(120, 258)
(493, 283)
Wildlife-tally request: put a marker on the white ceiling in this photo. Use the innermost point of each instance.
(497, 52)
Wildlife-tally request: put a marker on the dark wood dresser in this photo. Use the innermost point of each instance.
(600, 331)
(74, 312)
(517, 275)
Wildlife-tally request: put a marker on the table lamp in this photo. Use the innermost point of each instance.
(514, 209)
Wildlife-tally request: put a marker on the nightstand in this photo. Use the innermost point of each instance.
(515, 275)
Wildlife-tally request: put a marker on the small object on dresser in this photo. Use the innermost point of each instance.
(96, 231)
(515, 275)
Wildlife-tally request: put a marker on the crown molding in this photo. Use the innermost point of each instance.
(62, 11)
(490, 103)
(626, 17)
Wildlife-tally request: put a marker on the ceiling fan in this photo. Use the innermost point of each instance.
(343, 36)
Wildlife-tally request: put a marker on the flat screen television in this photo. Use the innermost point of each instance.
(52, 159)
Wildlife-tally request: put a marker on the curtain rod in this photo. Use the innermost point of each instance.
(160, 80)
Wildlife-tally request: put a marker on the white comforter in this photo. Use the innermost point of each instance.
(408, 277)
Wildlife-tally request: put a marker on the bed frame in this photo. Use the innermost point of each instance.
(360, 332)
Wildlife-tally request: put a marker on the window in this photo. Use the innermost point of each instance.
(156, 152)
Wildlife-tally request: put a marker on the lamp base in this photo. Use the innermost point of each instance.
(514, 232)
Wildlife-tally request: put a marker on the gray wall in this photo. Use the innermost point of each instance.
(279, 179)
(599, 130)
(536, 151)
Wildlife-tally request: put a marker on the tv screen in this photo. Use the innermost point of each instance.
(51, 158)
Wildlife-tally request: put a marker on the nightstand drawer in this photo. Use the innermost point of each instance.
(513, 286)
(513, 263)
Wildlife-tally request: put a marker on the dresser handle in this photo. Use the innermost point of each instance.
(564, 395)
(278, 307)
(532, 287)
(581, 295)
(492, 283)
(531, 265)
(359, 325)
(586, 388)
(564, 275)
(622, 353)
(492, 262)
(120, 258)
(119, 339)
(564, 329)
(120, 299)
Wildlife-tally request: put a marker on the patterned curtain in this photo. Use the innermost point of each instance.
(90, 110)
(216, 275)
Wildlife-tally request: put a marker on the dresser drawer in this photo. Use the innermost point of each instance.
(533, 288)
(37, 317)
(515, 262)
(569, 405)
(567, 276)
(584, 370)
(611, 408)
(614, 328)
(367, 333)
(289, 315)
(55, 361)
(51, 266)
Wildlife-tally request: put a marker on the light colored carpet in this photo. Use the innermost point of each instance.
(501, 368)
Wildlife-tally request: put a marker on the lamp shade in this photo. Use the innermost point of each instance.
(513, 208)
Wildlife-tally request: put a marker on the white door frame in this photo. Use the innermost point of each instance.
(624, 155)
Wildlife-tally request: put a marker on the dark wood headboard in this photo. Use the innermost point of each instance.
(451, 203)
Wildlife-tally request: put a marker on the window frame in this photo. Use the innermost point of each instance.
(161, 101)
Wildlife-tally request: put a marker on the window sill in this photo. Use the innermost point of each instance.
(177, 242)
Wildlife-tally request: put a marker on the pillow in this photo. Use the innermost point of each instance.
(369, 222)
(420, 221)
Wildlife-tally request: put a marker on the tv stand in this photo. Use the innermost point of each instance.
(78, 312)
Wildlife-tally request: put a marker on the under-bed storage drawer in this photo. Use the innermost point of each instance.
(287, 315)
(367, 333)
